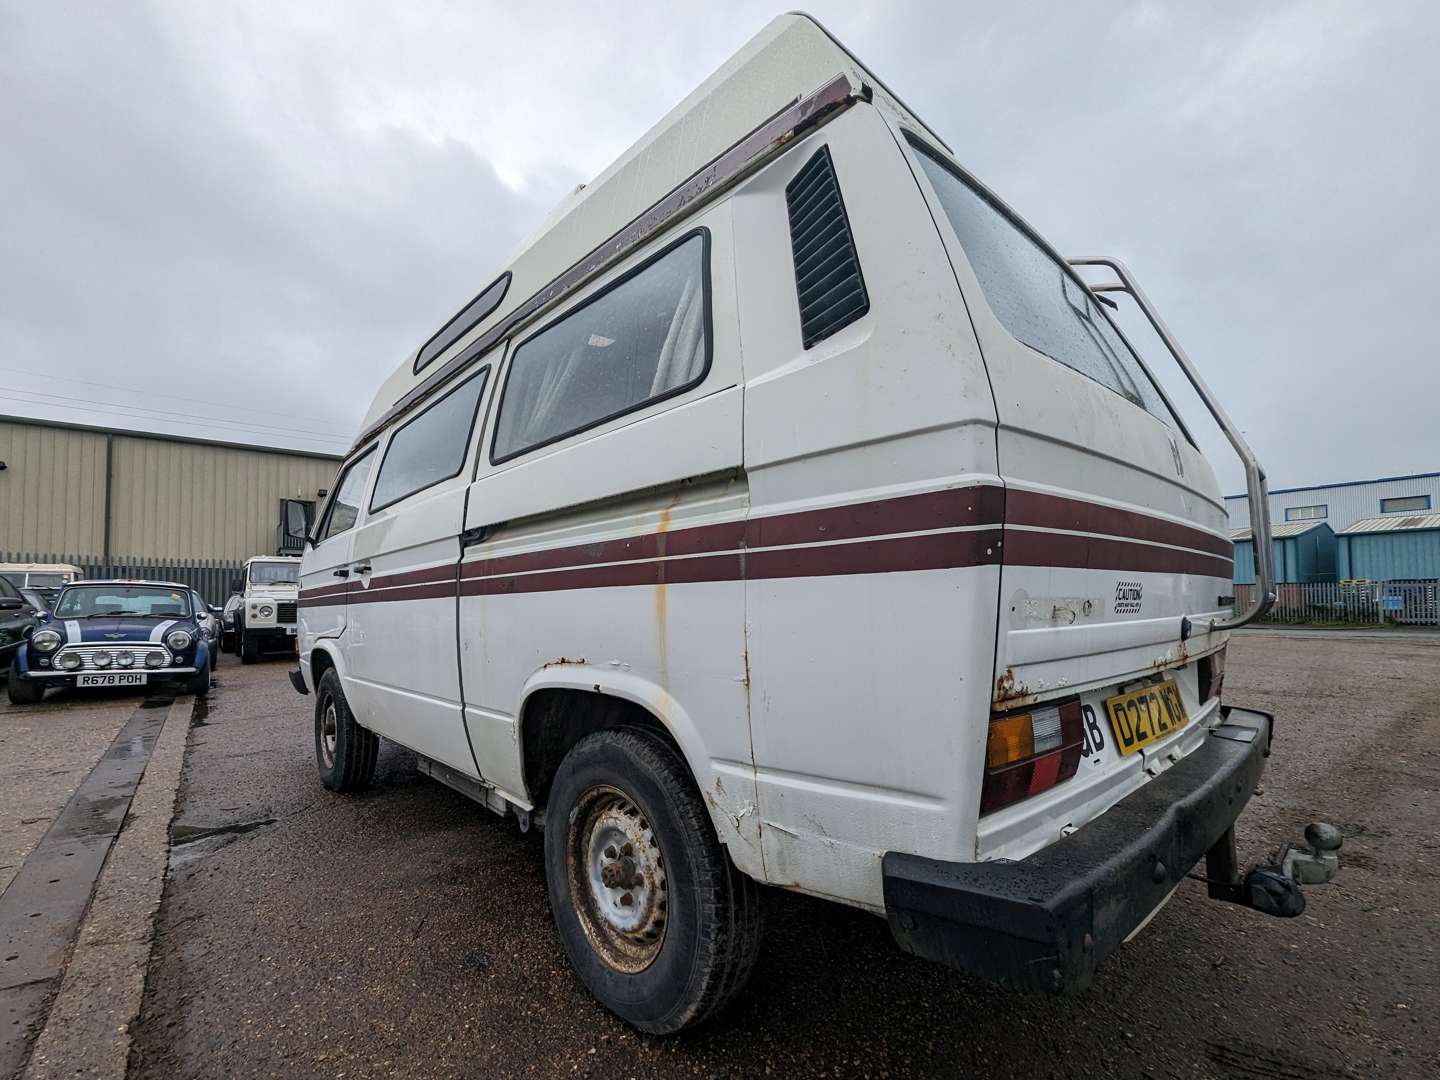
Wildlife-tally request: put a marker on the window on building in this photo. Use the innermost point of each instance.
(1036, 297)
(431, 447)
(1307, 513)
(645, 338)
(1405, 504)
(345, 505)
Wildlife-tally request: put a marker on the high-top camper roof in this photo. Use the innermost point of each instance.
(789, 76)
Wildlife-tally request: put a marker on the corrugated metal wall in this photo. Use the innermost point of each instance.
(1346, 503)
(1309, 557)
(169, 500)
(52, 490)
(175, 500)
(1396, 556)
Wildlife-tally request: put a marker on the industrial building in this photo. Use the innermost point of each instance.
(1342, 505)
(1304, 553)
(1403, 548)
(1374, 530)
(132, 503)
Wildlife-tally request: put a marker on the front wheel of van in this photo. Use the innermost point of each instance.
(657, 922)
(344, 751)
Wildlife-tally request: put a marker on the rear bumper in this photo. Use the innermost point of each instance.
(1047, 921)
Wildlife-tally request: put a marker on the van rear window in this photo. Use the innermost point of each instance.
(647, 337)
(1036, 297)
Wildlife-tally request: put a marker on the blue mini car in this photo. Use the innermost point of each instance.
(114, 633)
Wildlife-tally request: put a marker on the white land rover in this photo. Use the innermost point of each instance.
(266, 617)
(788, 512)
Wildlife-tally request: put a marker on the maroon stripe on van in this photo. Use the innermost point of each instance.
(1057, 512)
(324, 590)
(952, 508)
(1024, 548)
(936, 551)
(436, 591)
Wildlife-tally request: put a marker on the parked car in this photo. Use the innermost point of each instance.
(47, 578)
(209, 623)
(266, 617)
(230, 622)
(40, 600)
(114, 633)
(18, 619)
(789, 512)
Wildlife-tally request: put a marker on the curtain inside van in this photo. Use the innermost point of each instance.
(642, 339)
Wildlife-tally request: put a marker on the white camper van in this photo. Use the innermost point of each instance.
(789, 512)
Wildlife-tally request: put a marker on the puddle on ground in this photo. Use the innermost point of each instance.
(191, 843)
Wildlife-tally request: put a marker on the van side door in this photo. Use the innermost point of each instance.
(608, 519)
(325, 569)
(401, 649)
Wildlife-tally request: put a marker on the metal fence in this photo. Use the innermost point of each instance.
(211, 578)
(1352, 603)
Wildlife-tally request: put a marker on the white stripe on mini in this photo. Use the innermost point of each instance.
(158, 634)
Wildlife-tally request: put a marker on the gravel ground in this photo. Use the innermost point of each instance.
(405, 931)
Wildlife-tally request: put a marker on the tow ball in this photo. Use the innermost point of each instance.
(1274, 890)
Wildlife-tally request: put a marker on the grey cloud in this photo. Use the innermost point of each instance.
(1266, 169)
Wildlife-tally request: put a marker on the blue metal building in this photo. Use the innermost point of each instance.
(1342, 504)
(1305, 552)
(1387, 549)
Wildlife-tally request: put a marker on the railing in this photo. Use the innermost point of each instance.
(1259, 600)
(211, 578)
(1361, 603)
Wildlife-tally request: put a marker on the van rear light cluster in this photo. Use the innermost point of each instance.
(1030, 752)
(1211, 672)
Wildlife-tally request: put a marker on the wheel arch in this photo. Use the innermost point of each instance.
(567, 700)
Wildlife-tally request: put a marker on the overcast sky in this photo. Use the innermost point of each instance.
(235, 219)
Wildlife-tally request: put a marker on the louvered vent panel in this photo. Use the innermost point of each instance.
(827, 270)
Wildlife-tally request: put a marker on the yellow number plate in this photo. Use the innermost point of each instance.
(1142, 717)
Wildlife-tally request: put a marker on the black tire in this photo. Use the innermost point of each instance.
(345, 752)
(248, 647)
(22, 691)
(709, 913)
(199, 683)
(227, 641)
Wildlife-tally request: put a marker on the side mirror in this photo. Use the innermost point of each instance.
(215, 609)
(237, 584)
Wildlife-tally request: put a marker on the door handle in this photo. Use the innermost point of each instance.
(363, 569)
(342, 573)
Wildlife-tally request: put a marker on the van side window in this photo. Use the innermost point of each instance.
(431, 447)
(345, 504)
(1036, 297)
(645, 338)
(463, 321)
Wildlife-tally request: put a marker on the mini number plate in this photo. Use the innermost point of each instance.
(113, 678)
(1142, 717)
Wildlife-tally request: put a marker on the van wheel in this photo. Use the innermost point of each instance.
(658, 924)
(344, 751)
(22, 691)
(248, 647)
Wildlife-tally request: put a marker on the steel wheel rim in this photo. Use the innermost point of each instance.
(617, 879)
(329, 733)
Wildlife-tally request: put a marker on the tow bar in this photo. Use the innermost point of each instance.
(1274, 890)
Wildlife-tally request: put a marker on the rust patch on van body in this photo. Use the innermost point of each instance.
(1008, 690)
(565, 661)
